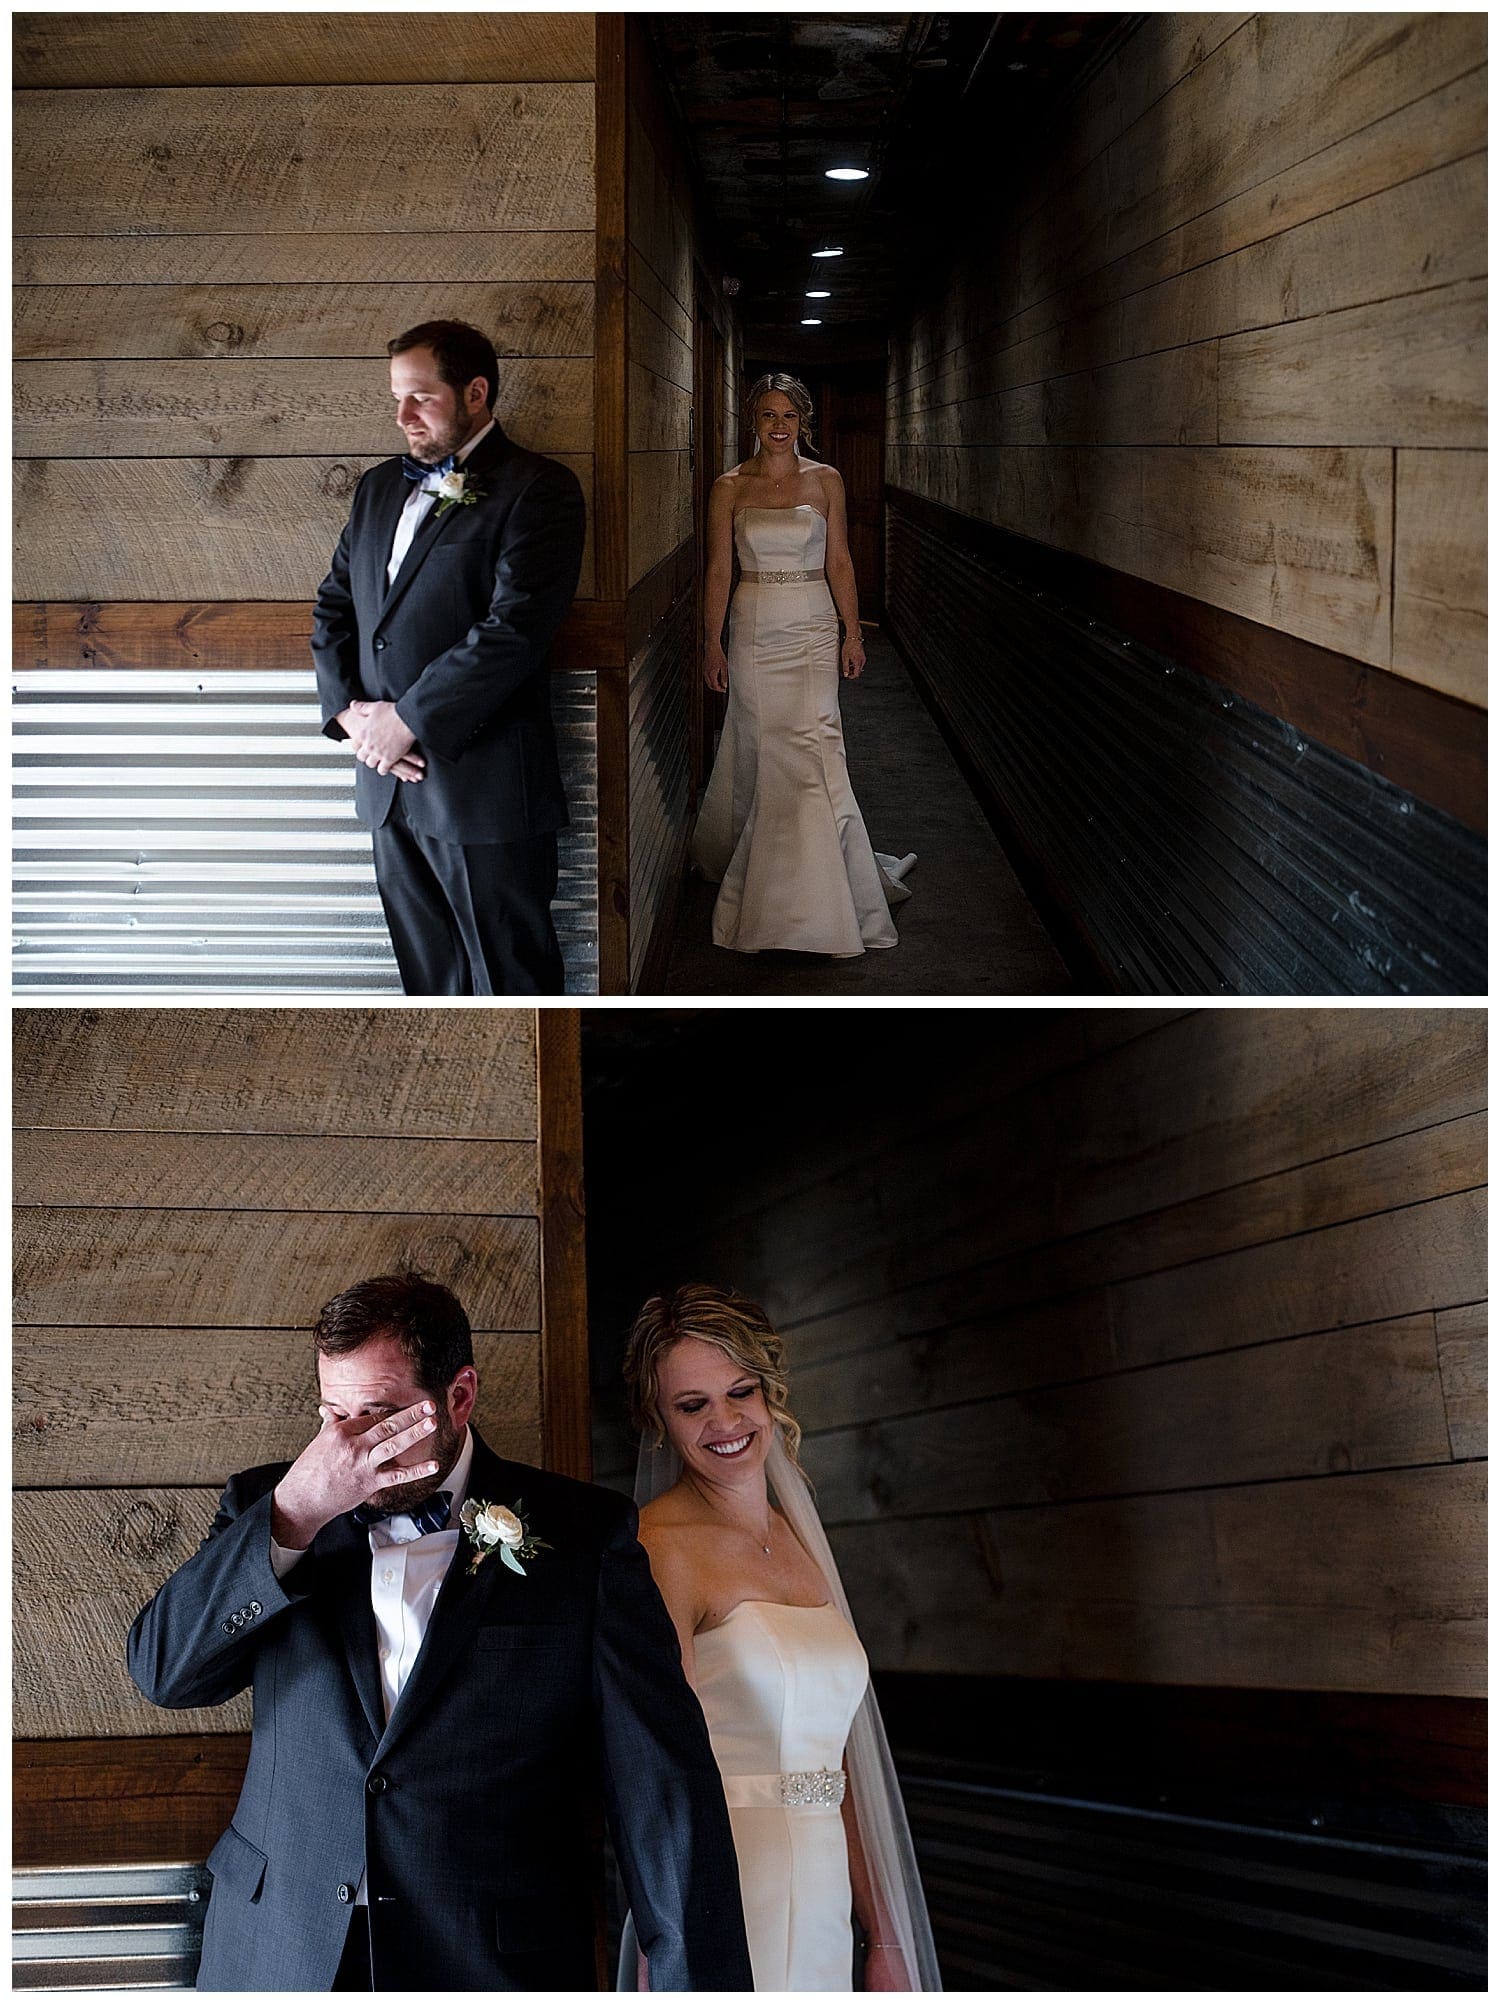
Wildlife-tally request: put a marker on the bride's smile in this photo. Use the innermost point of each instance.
(776, 423)
(714, 1410)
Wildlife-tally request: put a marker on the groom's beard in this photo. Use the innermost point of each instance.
(443, 439)
(444, 1448)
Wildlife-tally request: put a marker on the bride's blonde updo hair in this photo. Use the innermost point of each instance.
(734, 1324)
(797, 394)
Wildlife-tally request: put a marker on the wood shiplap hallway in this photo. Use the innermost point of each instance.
(1177, 446)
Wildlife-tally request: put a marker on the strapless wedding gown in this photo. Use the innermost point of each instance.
(779, 1688)
(780, 830)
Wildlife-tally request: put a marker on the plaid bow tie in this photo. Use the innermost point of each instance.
(433, 1515)
(418, 469)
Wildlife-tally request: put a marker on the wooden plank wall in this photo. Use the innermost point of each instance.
(665, 248)
(220, 220)
(1230, 335)
(732, 444)
(191, 1185)
(660, 236)
(1142, 1346)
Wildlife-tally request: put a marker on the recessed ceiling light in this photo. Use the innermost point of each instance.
(833, 250)
(846, 173)
(812, 323)
(817, 295)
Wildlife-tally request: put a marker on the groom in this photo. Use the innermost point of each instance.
(430, 638)
(443, 1693)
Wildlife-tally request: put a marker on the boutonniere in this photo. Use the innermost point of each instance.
(490, 1527)
(454, 491)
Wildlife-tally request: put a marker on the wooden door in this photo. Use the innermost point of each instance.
(852, 437)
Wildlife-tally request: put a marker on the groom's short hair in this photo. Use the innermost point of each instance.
(426, 1319)
(460, 351)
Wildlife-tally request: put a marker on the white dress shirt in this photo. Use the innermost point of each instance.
(407, 1568)
(420, 499)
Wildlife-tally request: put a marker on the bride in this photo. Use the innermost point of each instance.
(780, 830)
(769, 1646)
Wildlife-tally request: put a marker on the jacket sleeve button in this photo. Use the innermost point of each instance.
(227, 1626)
(346, 1894)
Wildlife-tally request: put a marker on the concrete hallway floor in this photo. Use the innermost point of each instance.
(967, 929)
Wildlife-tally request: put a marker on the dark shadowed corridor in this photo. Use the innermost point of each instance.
(1149, 350)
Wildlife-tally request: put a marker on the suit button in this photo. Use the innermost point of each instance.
(377, 1784)
(255, 1607)
(346, 1894)
(227, 1626)
(379, 646)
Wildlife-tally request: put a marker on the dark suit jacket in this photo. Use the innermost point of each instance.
(459, 642)
(474, 1810)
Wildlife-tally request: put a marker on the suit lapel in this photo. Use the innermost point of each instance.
(480, 463)
(376, 552)
(344, 1549)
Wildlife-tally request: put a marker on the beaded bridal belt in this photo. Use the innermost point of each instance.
(817, 1788)
(781, 577)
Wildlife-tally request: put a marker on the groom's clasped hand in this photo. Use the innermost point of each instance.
(346, 1463)
(381, 741)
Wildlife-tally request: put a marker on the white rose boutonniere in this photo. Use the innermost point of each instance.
(491, 1528)
(454, 491)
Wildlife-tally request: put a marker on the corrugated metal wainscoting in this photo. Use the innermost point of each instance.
(1197, 844)
(108, 1927)
(1044, 1889)
(180, 831)
(659, 678)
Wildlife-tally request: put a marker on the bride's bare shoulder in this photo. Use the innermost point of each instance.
(666, 1517)
(675, 1529)
(680, 1551)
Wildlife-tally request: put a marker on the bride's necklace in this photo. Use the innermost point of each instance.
(762, 1542)
(781, 478)
(756, 1538)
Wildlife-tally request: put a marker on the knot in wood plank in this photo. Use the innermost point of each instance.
(147, 1529)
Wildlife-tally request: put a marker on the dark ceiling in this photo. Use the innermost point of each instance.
(936, 106)
(620, 1046)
